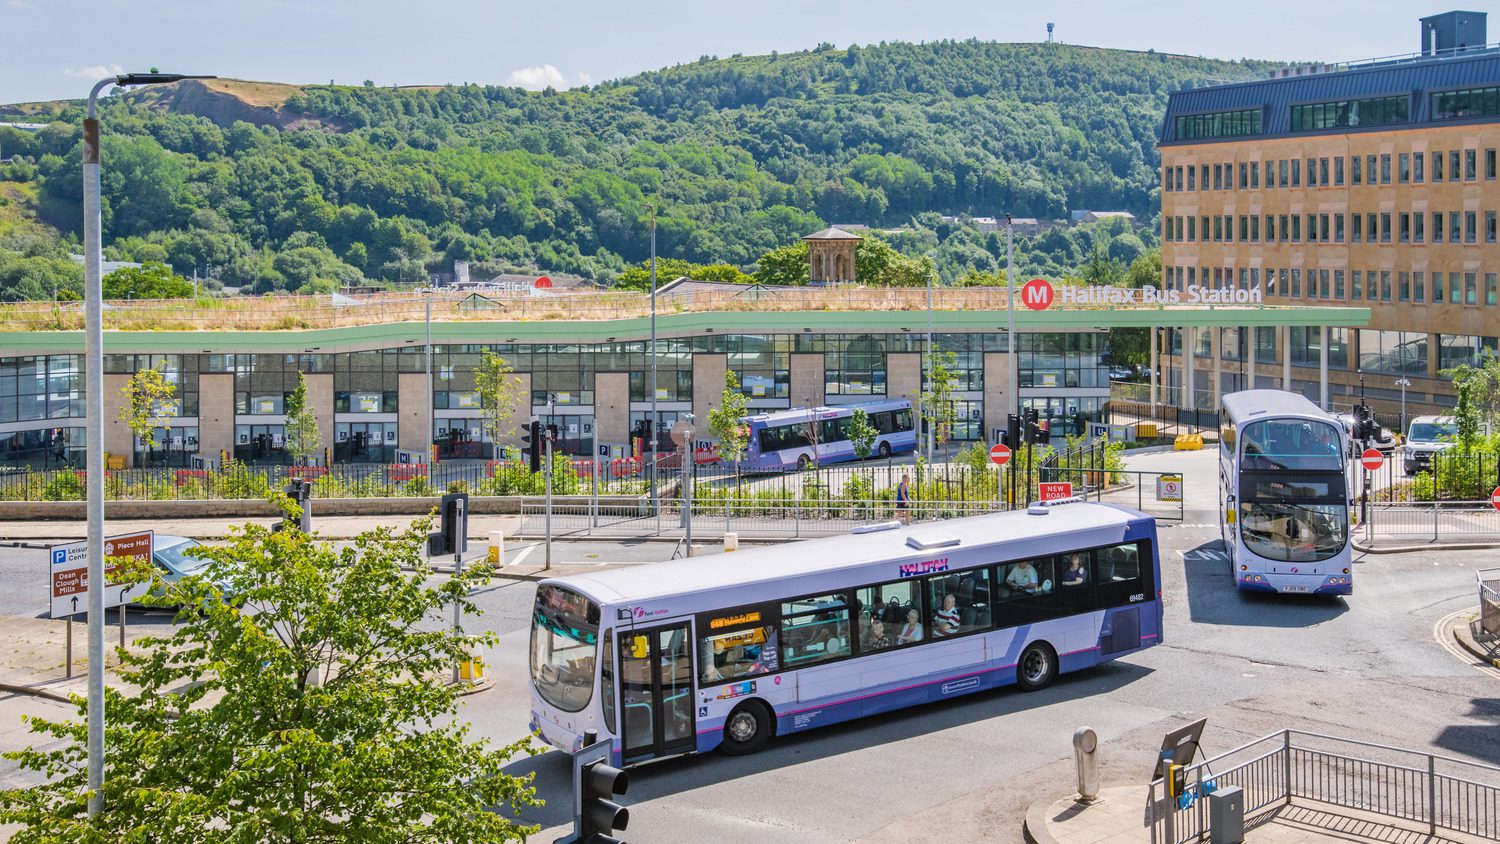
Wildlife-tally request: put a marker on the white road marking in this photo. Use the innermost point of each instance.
(1452, 647)
(516, 560)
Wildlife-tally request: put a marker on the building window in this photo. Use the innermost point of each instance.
(1312, 172)
(1437, 167)
(1419, 221)
(1418, 287)
(1470, 167)
(1437, 288)
(1338, 170)
(1375, 111)
(1405, 227)
(1323, 284)
(1437, 227)
(1372, 232)
(1453, 166)
(1296, 172)
(1489, 227)
(1224, 124)
(1404, 286)
(1244, 175)
(1473, 102)
(1255, 174)
(1385, 169)
(1489, 164)
(1296, 228)
(1338, 228)
(1355, 170)
(1385, 227)
(1218, 177)
(1281, 168)
(1356, 228)
(1296, 290)
(1454, 232)
(1471, 227)
(1385, 285)
(1338, 285)
(1489, 289)
(1371, 178)
(1471, 290)
(1192, 178)
(1255, 227)
(1323, 172)
(1218, 228)
(1372, 291)
(1270, 229)
(1356, 282)
(1395, 352)
(1403, 168)
(1417, 162)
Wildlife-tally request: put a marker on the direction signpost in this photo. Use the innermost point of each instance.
(68, 580)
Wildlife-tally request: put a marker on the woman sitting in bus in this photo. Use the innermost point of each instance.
(1023, 578)
(912, 632)
(1077, 574)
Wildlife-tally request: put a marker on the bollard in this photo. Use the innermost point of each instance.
(1086, 755)
(472, 669)
(497, 548)
(731, 541)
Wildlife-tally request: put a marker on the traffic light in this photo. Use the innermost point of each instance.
(1012, 438)
(1365, 428)
(552, 435)
(531, 443)
(601, 815)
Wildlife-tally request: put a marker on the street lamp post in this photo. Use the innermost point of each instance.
(652, 427)
(431, 428)
(93, 296)
(930, 414)
(1403, 382)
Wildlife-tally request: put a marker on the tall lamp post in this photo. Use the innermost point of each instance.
(930, 414)
(652, 427)
(1403, 382)
(93, 295)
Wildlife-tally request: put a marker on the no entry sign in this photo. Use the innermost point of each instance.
(1495, 498)
(1371, 459)
(999, 454)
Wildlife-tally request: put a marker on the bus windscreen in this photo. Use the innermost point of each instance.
(1291, 444)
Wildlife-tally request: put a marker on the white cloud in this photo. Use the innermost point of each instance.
(537, 78)
(585, 78)
(93, 72)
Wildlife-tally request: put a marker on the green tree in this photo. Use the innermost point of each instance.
(1476, 399)
(302, 436)
(151, 280)
(1144, 271)
(937, 400)
(148, 404)
(499, 396)
(784, 265)
(862, 434)
(878, 264)
(1101, 269)
(726, 422)
(314, 708)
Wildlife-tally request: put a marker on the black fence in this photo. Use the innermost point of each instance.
(1446, 476)
(1168, 420)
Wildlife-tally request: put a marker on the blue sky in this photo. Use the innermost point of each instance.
(55, 48)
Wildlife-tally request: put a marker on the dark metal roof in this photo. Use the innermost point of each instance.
(1277, 96)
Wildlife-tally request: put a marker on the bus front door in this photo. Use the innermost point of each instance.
(656, 692)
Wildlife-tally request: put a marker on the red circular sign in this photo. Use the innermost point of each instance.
(999, 454)
(1372, 459)
(1037, 294)
(543, 283)
(1495, 498)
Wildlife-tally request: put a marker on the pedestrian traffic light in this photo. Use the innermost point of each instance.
(601, 815)
(300, 492)
(1012, 437)
(531, 443)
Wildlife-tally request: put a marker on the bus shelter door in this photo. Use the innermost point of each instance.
(656, 692)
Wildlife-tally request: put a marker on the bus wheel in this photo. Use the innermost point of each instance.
(1037, 667)
(803, 462)
(885, 449)
(747, 729)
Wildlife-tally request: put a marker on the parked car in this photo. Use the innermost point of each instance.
(173, 562)
(1427, 436)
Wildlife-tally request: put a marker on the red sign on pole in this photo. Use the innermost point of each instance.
(1037, 294)
(1371, 459)
(999, 454)
(543, 283)
(1495, 498)
(1053, 491)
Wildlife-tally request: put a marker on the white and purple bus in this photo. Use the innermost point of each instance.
(804, 436)
(689, 656)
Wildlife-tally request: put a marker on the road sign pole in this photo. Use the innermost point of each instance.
(69, 664)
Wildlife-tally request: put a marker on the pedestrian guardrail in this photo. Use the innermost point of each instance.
(1440, 792)
(1446, 521)
(1488, 627)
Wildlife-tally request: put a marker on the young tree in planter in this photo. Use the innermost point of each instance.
(862, 434)
(302, 436)
(937, 400)
(725, 423)
(499, 396)
(314, 708)
(148, 405)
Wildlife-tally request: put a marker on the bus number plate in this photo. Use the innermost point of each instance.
(1294, 588)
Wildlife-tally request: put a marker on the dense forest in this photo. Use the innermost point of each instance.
(740, 156)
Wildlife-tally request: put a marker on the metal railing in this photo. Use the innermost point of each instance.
(1440, 792)
(1446, 521)
(1487, 628)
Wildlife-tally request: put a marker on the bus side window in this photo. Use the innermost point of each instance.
(1117, 574)
(607, 680)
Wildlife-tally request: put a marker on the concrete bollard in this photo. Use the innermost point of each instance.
(497, 548)
(731, 541)
(472, 669)
(1086, 755)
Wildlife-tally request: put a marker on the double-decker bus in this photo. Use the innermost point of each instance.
(803, 436)
(689, 656)
(1284, 492)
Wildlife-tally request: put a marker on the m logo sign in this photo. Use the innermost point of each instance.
(1037, 294)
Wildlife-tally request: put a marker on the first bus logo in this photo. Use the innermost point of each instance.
(924, 567)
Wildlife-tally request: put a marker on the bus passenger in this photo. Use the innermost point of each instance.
(1022, 577)
(945, 621)
(1077, 574)
(912, 632)
(876, 638)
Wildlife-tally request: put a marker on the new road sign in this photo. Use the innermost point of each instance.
(1053, 491)
(1371, 459)
(70, 575)
(999, 454)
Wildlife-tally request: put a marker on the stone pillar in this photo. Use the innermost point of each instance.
(808, 373)
(216, 415)
(1323, 366)
(320, 399)
(708, 386)
(1248, 338)
(118, 440)
(998, 393)
(903, 376)
(1286, 357)
(411, 411)
(1216, 351)
(611, 408)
